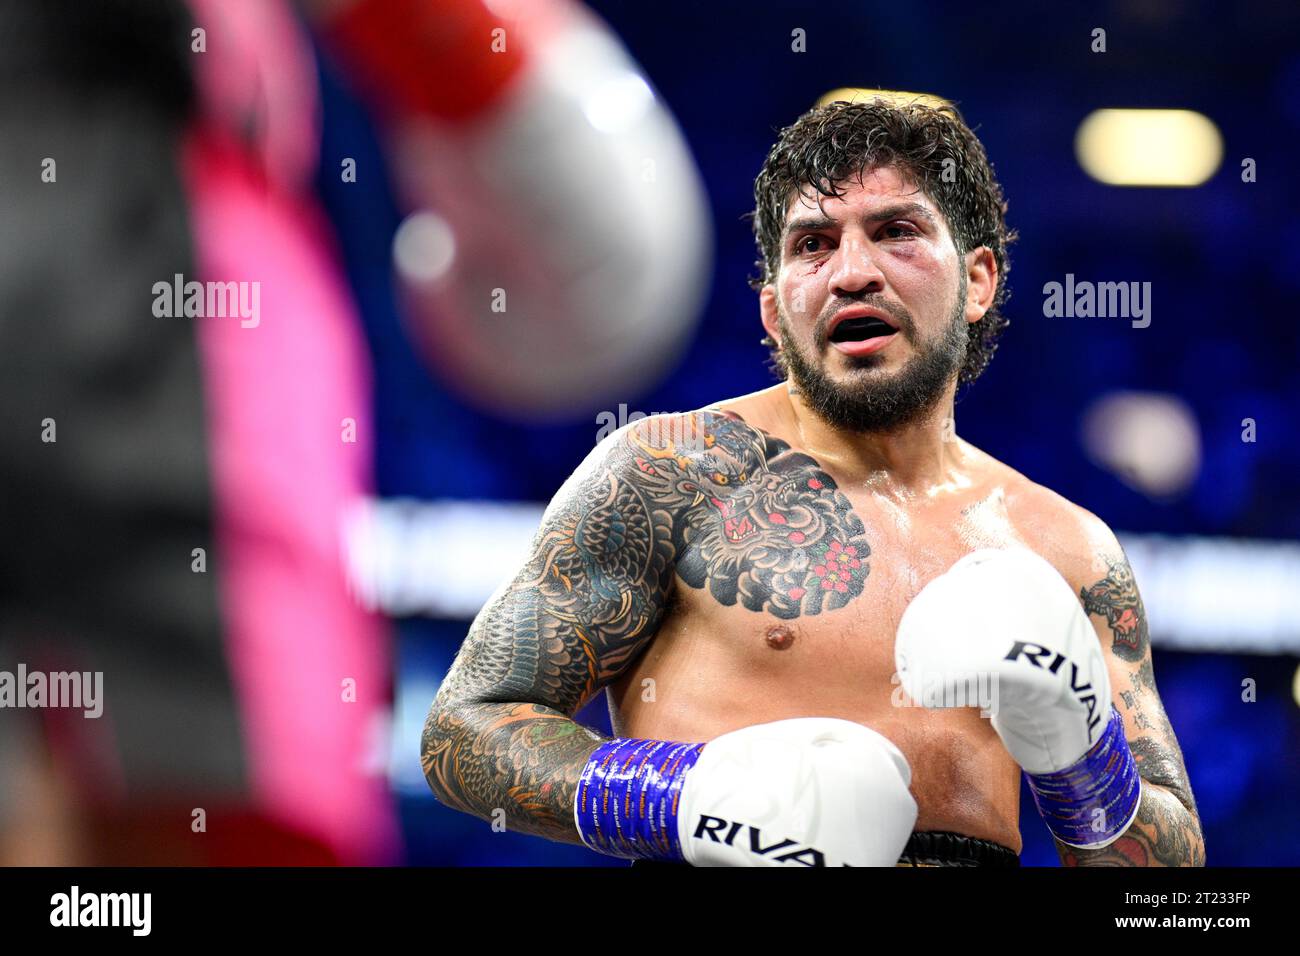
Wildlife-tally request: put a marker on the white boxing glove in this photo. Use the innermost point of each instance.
(1007, 621)
(795, 790)
(809, 791)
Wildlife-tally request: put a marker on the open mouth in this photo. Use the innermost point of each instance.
(861, 329)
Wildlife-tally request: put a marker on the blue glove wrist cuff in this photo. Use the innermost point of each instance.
(1090, 804)
(628, 797)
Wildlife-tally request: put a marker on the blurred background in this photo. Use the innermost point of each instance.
(1182, 435)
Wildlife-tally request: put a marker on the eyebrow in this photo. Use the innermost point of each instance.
(897, 211)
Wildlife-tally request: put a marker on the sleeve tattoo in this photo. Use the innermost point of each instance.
(499, 738)
(1167, 831)
(702, 499)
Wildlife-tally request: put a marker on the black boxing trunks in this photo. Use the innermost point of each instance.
(928, 848)
(942, 848)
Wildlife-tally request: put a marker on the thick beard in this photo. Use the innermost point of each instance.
(883, 405)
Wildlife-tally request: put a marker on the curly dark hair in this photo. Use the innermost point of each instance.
(828, 145)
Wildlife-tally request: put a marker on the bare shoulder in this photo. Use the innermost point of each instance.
(724, 440)
(1071, 538)
(667, 463)
(686, 439)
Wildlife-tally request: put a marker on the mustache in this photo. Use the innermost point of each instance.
(906, 324)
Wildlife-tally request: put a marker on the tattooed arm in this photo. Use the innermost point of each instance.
(1167, 831)
(589, 598)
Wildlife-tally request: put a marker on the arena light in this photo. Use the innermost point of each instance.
(434, 558)
(856, 94)
(1149, 440)
(1185, 580)
(1148, 147)
(423, 247)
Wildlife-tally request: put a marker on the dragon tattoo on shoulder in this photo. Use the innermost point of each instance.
(760, 524)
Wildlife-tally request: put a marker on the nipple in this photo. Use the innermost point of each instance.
(779, 637)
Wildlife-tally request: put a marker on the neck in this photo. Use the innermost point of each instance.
(920, 457)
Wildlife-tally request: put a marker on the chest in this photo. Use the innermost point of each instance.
(822, 580)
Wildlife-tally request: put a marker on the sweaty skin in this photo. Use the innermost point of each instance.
(750, 562)
(714, 575)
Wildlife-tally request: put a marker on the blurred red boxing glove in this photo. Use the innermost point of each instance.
(566, 263)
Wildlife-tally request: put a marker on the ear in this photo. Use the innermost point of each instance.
(981, 282)
(767, 310)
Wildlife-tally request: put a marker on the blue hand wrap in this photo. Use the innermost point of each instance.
(628, 796)
(1104, 779)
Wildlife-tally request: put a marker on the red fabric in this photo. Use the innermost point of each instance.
(431, 56)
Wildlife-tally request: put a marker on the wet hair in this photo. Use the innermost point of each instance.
(932, 147)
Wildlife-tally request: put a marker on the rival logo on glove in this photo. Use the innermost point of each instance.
(1034, 656)
(793, 851)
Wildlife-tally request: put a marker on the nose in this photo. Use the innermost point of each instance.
(855, 271)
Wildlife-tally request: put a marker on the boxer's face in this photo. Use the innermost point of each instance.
(884, 247)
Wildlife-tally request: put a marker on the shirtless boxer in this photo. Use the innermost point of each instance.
(737, 578)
